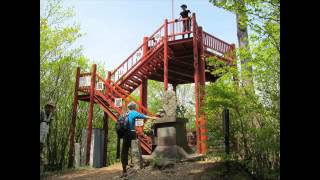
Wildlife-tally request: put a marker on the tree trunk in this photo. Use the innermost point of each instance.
(243, 41)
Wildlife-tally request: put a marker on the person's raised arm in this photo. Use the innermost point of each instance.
(151, 117)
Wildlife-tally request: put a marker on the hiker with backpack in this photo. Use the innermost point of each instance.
(125, 127)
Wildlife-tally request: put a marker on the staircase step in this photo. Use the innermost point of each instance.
(131, 84)
(139, 76)
(147, 73)
(137, 81)
(136, 84)
(142, 74)
(126, 88)
(153, 67)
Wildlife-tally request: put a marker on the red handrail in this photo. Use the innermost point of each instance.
(175, 28)
(116, 77)
(128, 96)
(215, 43)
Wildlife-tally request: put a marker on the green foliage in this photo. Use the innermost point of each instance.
(254, 108)
(58, 63)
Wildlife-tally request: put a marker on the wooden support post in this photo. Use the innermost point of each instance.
(196, 80)
(105, 128)
(145, 45)
(202, 72)
(73, 120)
(165, 56)
(106, 125)
(144, 84)
(90, 115)
(144, 94)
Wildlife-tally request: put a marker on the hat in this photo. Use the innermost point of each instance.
(132, 105)
(183, 6)
(50, 104)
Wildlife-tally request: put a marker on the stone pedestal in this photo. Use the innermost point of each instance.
(77, 155)
(170, 132)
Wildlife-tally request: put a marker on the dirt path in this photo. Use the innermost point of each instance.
(90, 174)
(199, 170)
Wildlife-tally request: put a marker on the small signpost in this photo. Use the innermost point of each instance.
(99, 86)
(139, 122)
(84, 81)
(118, 102)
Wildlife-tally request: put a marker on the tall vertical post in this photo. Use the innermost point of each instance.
(90, 115)
(73, 120)
(196, 80)
(144, 93)
(226, 124)
(202, 72)
(106, 125)
(144, 84)
(106, 133)
(173, 37)
(165, 56)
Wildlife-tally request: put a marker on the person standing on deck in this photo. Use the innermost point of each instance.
(186, 23)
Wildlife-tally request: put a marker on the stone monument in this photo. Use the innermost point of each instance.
(170, 132)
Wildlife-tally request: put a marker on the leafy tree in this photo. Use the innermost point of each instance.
(58, 62)
(254, 110)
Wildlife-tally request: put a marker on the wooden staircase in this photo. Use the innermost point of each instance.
(146, 62)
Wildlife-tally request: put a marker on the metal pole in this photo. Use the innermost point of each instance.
(90, 115)
(173, 37)
(226, 130)
(165, 64)
(172, 10)
(73, 120)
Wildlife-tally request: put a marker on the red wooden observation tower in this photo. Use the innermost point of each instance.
(163, 56)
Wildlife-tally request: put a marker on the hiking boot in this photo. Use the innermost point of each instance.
(124, 175)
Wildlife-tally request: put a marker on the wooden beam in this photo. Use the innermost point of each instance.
(159, 77)
(179, 73)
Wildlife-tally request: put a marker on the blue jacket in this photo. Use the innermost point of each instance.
(132, 116)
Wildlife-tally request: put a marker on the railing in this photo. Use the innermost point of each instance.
(176, 28)
(153, 42)
(113, 90)
(127, 97)
(85, 82)
(215, 44)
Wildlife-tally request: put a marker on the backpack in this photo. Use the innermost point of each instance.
(122, 125)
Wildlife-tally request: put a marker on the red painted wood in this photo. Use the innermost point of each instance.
(196, 80)
(144, 94)
(165, 55)
(202, 68)
(73, 120)
(181, 55)
(90, 114)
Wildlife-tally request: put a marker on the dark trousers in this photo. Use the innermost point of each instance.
(130, 141)
(186, 27)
